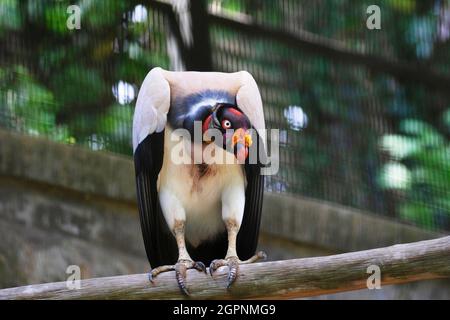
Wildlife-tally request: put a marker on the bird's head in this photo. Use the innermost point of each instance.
(234, 126)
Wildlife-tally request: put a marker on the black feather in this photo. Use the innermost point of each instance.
(159, 242)
(247, 238)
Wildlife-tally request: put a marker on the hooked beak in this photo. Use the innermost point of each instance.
(241, 141)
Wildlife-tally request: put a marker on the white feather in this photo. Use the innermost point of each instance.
(249, 100)
(152, 105)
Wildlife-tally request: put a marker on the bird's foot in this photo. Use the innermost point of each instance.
(233, 263)
(180, 272)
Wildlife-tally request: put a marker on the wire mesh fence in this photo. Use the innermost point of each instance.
(350, 133)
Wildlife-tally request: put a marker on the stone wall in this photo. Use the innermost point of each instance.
(64, 205)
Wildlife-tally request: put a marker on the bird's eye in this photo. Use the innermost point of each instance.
(226, 124)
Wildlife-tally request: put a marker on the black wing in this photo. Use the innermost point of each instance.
(160, 244)
(247, 238)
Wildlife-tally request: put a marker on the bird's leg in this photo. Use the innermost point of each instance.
(184, 260)
(231, 259)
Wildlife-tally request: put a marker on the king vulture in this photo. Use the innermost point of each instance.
(194, 214)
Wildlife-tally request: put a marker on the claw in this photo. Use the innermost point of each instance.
(180, 274)
(200, 266)
(233, 264)
(150, 276)
(155, 271)
(216, 264)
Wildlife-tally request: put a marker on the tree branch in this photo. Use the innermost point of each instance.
(278, 279)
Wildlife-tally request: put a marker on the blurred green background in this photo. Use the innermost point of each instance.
(364, 114)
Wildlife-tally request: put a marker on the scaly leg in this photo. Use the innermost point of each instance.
(184, 260)
(231, 259)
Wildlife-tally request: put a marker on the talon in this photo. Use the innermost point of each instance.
(233, 263)
(150, 276)
(233, 272)
(200, 266)
(155, 271)
(180, 274)
(216, 264)
(212, 267)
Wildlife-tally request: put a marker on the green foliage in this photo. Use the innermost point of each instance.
(29, 106)
(9, 16)
(403, 6)
(59, 82)
(56, 17)
(428, 154)
(102, 14)
(71, 81)
(446, 119)
(419, 213)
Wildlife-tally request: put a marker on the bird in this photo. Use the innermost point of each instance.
(196, 213)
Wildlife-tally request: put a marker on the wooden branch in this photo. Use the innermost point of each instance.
(279, 279)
